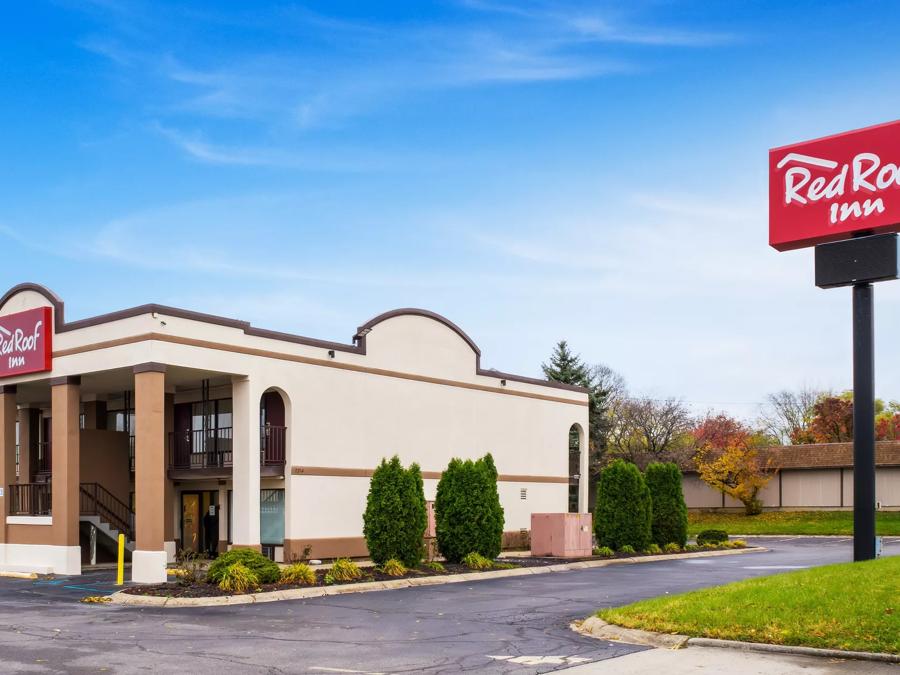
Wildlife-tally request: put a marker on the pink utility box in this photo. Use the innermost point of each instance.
(561, 535)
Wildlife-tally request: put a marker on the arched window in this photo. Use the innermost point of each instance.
(575, 434)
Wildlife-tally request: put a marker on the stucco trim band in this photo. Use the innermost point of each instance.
(295, 358)
(348, 472)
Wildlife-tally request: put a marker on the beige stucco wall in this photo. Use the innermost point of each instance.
(802, 488)
(344, 418)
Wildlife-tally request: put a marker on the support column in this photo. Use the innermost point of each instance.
(245, 478)
(7, 455)
(171, 545)
(95, 414)
(66, 459)
(148, 561)
(29, 423)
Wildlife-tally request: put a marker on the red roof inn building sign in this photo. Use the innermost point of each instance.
(830, 188)
(26, 342)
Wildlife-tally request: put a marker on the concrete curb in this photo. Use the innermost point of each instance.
(19, 575)
(598, 628)
(121, 598)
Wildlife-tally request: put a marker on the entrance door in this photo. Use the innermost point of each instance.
(191, 530)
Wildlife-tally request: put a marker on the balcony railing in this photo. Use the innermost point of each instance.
(212, 449)
(30, 499)
(272, 445)
(98, 501)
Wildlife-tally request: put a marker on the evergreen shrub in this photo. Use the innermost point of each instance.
(395, 518)
(711, 537)
(670, 518)
(623, 515)
(469, 518)
(266, 571)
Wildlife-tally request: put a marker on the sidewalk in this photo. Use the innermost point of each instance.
(713, 660)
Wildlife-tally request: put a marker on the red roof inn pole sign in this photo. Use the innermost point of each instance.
(26, 342)
(841, 194)
(833, 187)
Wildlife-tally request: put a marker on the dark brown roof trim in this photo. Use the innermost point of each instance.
(359, 339)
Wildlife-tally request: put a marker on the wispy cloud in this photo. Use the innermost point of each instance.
(320, 72)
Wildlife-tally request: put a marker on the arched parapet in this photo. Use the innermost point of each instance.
(419, 341)
(31, 296)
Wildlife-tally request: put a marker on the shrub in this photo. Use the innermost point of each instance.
(605, 551)
(468, 514)
(653, 549)
(298, 573)
(672, 547)
(712, 537)
(435, 566)
(394, 568)
(739, 543)
(623, 512)
(669, 511)
(395, 518)
(190, 567)
(476, 561)
(504, 566)
(627, 548)
(265, 570)
(238, 578)
(344, 569)
(692, 548)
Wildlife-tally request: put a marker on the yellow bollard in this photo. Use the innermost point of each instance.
(120, 570)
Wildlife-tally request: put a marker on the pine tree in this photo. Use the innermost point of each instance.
(395, 518)
(566, 367)
(670, 518)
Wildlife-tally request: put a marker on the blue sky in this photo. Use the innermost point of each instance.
(533, 171)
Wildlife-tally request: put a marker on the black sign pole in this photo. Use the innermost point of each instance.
(859, 262)
(863, 423)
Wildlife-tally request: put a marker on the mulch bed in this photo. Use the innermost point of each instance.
(175, 589)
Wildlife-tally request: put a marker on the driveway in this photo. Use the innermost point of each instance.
(515, 625)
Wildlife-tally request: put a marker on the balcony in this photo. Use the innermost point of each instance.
(30, 499)
(208, 454)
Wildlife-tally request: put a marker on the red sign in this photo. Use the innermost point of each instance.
(26, 342)
(827, 189)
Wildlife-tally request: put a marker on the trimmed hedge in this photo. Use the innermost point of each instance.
(670, 518)
(712, 537)
(623, 514)
(469, 518)
(265, 570)
(395, 518)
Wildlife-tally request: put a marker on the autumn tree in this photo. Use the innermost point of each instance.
(787, 414)
(728, 459)
(832, 419)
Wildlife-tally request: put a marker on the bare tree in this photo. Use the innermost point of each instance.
(647, 430)
(787, 415)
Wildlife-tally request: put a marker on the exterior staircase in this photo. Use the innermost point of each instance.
(107, 513)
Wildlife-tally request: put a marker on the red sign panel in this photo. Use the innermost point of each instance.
(827, 189)
(26, 342)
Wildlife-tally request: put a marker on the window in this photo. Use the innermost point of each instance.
(271, 517)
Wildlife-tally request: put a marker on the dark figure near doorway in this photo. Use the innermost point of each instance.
(211, 531)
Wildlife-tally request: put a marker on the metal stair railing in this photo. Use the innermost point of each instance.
(96, 500)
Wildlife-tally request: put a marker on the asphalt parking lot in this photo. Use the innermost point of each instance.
(514, 625)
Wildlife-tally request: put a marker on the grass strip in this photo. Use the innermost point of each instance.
(850, 606)
(790, 522)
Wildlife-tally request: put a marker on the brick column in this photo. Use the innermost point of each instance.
(245, 474)
(66, 458)
(7, 453)
(148, 561)
(29, 422)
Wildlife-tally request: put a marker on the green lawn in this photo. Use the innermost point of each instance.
(851, 606)
(790, 522)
